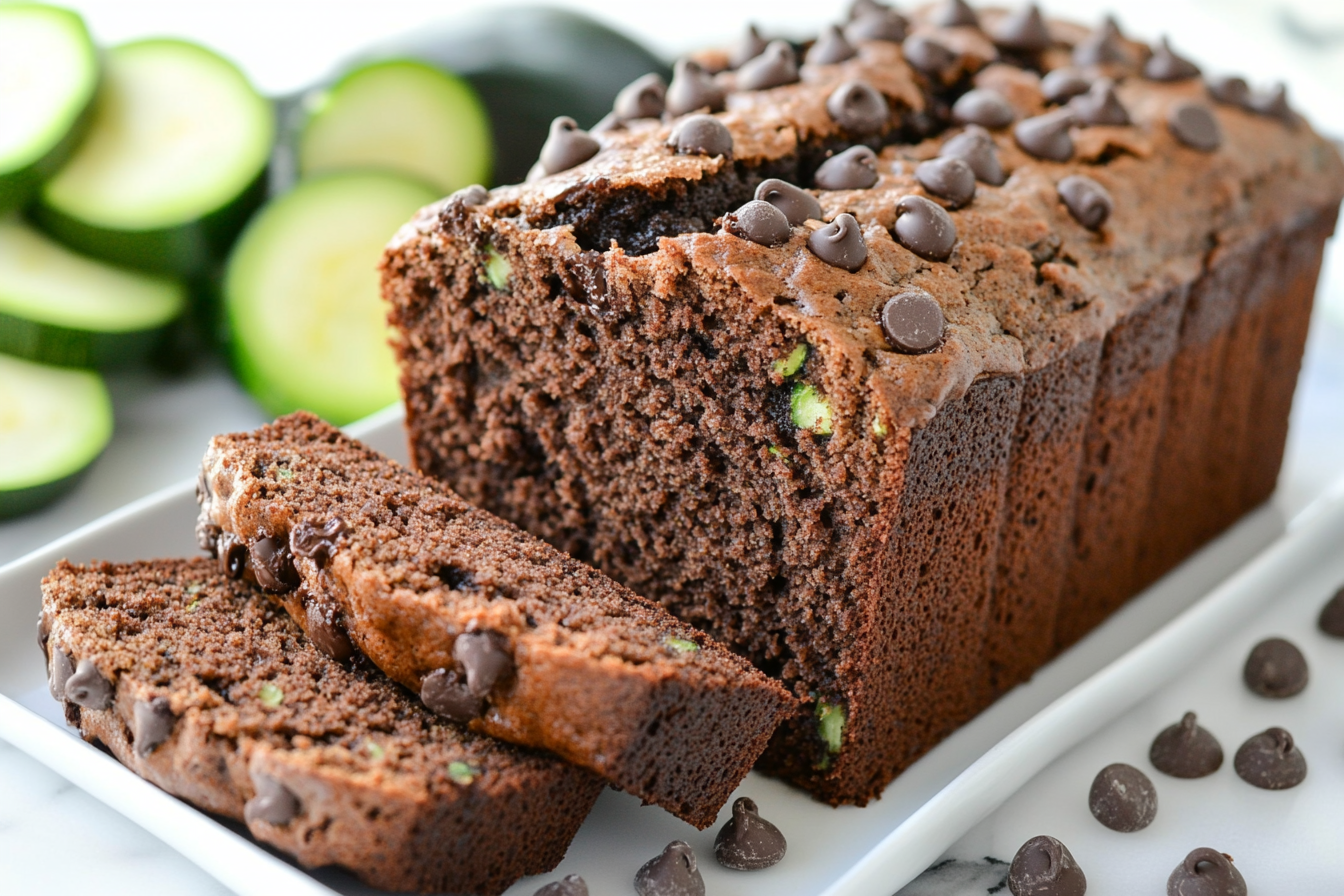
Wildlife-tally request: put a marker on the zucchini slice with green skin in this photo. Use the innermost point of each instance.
(54, 422)
(402, 116)
(58, 307)
(308, 326)
(48, 78)
(173, 163)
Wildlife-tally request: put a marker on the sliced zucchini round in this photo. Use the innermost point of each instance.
(308, 326)
(172, 164)
(58, 307)
(48, 78)
(54, 422)
(402, 116)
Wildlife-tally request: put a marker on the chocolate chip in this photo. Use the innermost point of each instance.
(232, 555)
(1194, 125)
(1047, 136)
(951, 13)
(1101, 47)
(1063, 84)
(486, 658)
(747, 48)
(273, 565)
(1099, 105)
(882, 24)
(673, 873)
(984, 107)
(1331, 620)
(1206, 872)
(976, 148)
(1275, 668)
(445, 692)
(1022, 31)
(830, 48)
(273, 803)
(913, 322)
(154, 721)
(1086, 200)
(317, 544)
(775, 67)
(644, 97)
(796, 203)
(858, 107)
(59, 670)
(840, 244)
(1044, 867)
(702, 135)
(947, 178)
(759, 222)
(860, 8)
(88, 688)
(1185, 750)
(566, 146)
(322, 624)
(1271, 761)
(853, 169)
(1122, 798)
(748, 842)
(1272, 103)
(207, 536)
(1165, 65)
(1228, 90)
(925, 228)
(469, 197)
(569, 885)
(927, 55)
(692, 88)
(43, 633)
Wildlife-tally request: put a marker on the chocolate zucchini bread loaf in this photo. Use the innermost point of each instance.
(489, 625)
(1027, 336)
(201, 685)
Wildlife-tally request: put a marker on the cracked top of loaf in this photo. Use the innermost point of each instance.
(1201, 164)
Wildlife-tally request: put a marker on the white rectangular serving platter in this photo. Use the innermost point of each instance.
(871, 851)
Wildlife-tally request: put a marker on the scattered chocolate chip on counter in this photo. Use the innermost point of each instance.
(748, 842)
(1271, 761)
(912, 322)
(1185, 750)
(1044, 867)
(1123, 798)
(840, 244)
(853, 169)
(976, 148)
(673, 873)
(1087, 201)
(1165, 65)
(1206, 872)
(566, 146)
(702, 135)
(1275, 668)
(1331, 620)
(1194, 125)
(950, 179)
(796, 203)
(1047, 136)
(569, 885)
(760, 222)
(925, 228)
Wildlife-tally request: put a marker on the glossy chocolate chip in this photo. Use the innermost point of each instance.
(976, 148)
(43, 633)
(925, 228)
(830, 48)
(796, 203)
(1194, 125)
(88, 688)
(1272, 103)
(1047, 136)
(776, 66)
(759, 222)
(881, 24)
(1087, 201)
(273, 565)
(951, 13)
(1123, 798)
(1185, 750)
(232, 556)
(1044, 867)
(1228, 90)
(1022, 31)
(692, 88)
(645, 97)
(840, 244)
(569, 885)
(748, 47)
(445, 692)
(858, 107)
(853, 169)
(1063, 84)
(1271, 761)
(324, 627)
(273, 802)
(153, 723)
(913, 322)
(748, 842)
(949, 178)
(1100, 105)
(860, 8)
(470, 196)
(1206, 872)
(1165, 65)
(673, 873)
(317, 543)
(567, 145)
(486, 658)
(1102, 47)
(702, 135)
(1275, 668)
(59, 669)
(924, 54)
(1331, 620)
(207, 536)
(984, 107)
